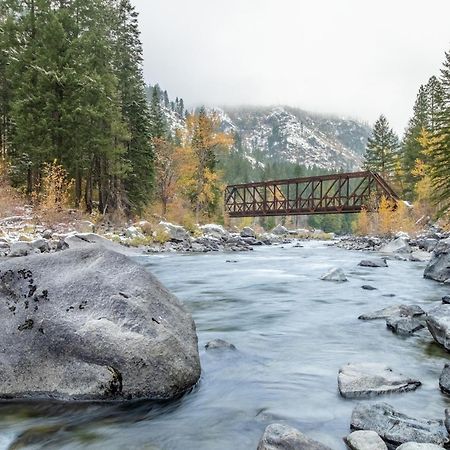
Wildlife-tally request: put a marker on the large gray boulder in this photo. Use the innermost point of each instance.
(215, 231)
(365, 440)
(176, 233)
(394, 310)
(438, 322)
(439, 267)
(365, 380)
(398, 245)
(91, 324)
(283, 437)
(444, 379)
(396, 428)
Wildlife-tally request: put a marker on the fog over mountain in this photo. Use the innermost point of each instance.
(350, 58)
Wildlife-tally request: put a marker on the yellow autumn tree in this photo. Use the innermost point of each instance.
(204, 140)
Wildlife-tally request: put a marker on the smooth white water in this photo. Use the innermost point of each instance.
(293, 333)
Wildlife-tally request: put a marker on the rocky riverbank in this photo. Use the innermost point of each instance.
(19, 236)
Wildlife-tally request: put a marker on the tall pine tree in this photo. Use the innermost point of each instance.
(382, 147)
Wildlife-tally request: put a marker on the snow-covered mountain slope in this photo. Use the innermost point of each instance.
(292, 135)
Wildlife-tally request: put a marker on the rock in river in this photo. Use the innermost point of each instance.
(365, 440)
(439, 267)
(370, 379)
(368, 287)
(283, 437)
(397, 428)
(217, 344)
(91, 324)
(444, 379)
(394, 310)
(373, 263)
(334, 274)
(438, 322)
(404, 325)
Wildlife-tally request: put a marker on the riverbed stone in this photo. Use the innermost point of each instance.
(248, 232)
(404, 326)
(365, 440)
(18, 249)
(398, 245)
(176, 233)
(219, 344)
(438, 268)
(365, 380)
(420, 256)
(438, 322)
(446, 299)
(336, 274)
(282, 437)
(418, 446)
(215, 231)
(41, 244)
(396, 428)
(368, 287)
(373, 263)
(91, 324)
(444, 379)
(280, 230)
(394, 310)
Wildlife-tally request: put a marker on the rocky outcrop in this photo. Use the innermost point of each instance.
(394, 311)
(336, 274)
(438, 322)
(444, 379)
(439, 267)
(365, 440)
(283, 437)
(90, 324)
(396, 428)
(365, 380)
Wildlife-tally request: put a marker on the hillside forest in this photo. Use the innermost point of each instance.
(80, 129)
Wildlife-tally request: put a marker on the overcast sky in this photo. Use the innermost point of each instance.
(356, 58)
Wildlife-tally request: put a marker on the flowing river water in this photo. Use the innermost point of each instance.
(292, 332)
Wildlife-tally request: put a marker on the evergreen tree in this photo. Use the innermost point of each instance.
(439, 154)
(435, 98)
(135, 110)
(411, 147)
(158, 124)
(382, 147)
(79, 98)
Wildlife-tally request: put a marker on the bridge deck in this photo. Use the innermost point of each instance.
(327, 194)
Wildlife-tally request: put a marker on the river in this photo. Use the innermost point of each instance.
(292, 332)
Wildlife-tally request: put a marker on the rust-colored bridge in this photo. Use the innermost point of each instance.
(323, 194)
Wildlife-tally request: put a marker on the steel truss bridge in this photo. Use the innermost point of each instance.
(323, 194)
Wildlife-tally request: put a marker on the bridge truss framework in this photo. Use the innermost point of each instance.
(323, 194)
